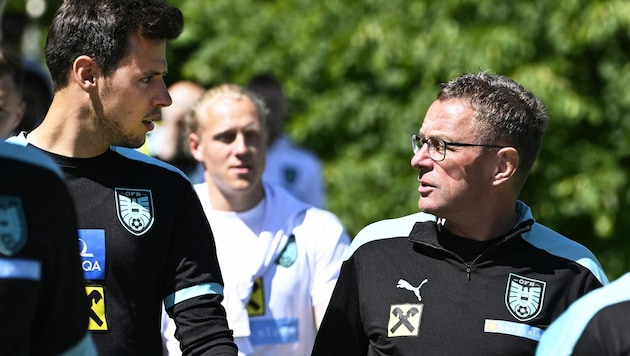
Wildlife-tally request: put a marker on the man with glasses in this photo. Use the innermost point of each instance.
(472, 273)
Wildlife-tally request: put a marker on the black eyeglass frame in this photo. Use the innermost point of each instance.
(415, 139)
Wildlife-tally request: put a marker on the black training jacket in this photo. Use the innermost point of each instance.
(402, 293)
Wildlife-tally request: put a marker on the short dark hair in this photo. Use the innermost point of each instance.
(505, 113)
(11, 64)
(101, 29)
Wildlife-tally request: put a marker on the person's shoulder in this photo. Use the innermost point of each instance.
(321, 214)
(615, 292)
(564, 333)
(278, 194)
(15, 151)
(158, 165)
(387, 229)
(554, 243)
(285, 202)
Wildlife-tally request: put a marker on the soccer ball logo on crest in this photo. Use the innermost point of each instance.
(135, 209)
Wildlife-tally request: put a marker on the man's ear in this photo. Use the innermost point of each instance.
(507, 164)
(193, 142)
(83, 71)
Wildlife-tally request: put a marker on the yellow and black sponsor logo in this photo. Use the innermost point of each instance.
(256, 305)
(96, 297)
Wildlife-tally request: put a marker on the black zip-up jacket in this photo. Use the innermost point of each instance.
(145, 242)
(401, 292)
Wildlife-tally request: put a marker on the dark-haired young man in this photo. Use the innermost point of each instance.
(144, 237)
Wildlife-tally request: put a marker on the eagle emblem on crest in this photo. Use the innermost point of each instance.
(13, 232)
(135, 209)
(524, 297)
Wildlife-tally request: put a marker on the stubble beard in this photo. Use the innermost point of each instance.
(116, 136)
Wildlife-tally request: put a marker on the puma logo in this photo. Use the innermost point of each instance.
(416, 290)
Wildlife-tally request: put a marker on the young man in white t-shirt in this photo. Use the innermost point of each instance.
(280, 257)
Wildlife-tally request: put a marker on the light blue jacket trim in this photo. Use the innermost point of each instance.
(139, 156)
(14, 148)
(546, 239)
(385, 229)
(85, 347)
(539, 236)
(14, 268)
(562, 335)
(192, 292)
(130, 153)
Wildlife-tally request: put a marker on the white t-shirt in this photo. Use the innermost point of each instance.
(278, 259)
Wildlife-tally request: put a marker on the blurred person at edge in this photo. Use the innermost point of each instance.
(168, 141)
(40, 274)
(41, 283)
(12, 106)
(280, 257)
(37, 88)
(145, 240)
(292, 166)
(596, 324)
(473, 273)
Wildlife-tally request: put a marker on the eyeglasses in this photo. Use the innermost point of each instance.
(437, 147)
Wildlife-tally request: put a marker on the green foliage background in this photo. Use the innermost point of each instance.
(360, 75)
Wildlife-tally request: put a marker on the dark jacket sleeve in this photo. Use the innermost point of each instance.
(58, 297)
(342, 330)
(202, 327)
(64, 281)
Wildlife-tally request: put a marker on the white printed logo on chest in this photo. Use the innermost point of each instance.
(135, 209)
(404, 319)
(524, 296)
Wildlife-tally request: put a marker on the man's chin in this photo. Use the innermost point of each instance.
(132, 143)
(242, 186)
(427, 208)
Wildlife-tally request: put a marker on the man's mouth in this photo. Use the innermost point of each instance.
(148, 124)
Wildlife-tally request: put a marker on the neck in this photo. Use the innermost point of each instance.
(234, 200)
(484, 226)
(67, 130)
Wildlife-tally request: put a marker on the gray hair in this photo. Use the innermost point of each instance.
(505, 113)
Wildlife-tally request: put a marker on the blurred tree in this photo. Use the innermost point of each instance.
(360, 75)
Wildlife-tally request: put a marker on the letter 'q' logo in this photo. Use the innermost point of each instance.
(135, 209)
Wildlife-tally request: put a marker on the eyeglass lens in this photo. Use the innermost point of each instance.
(437, 147)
